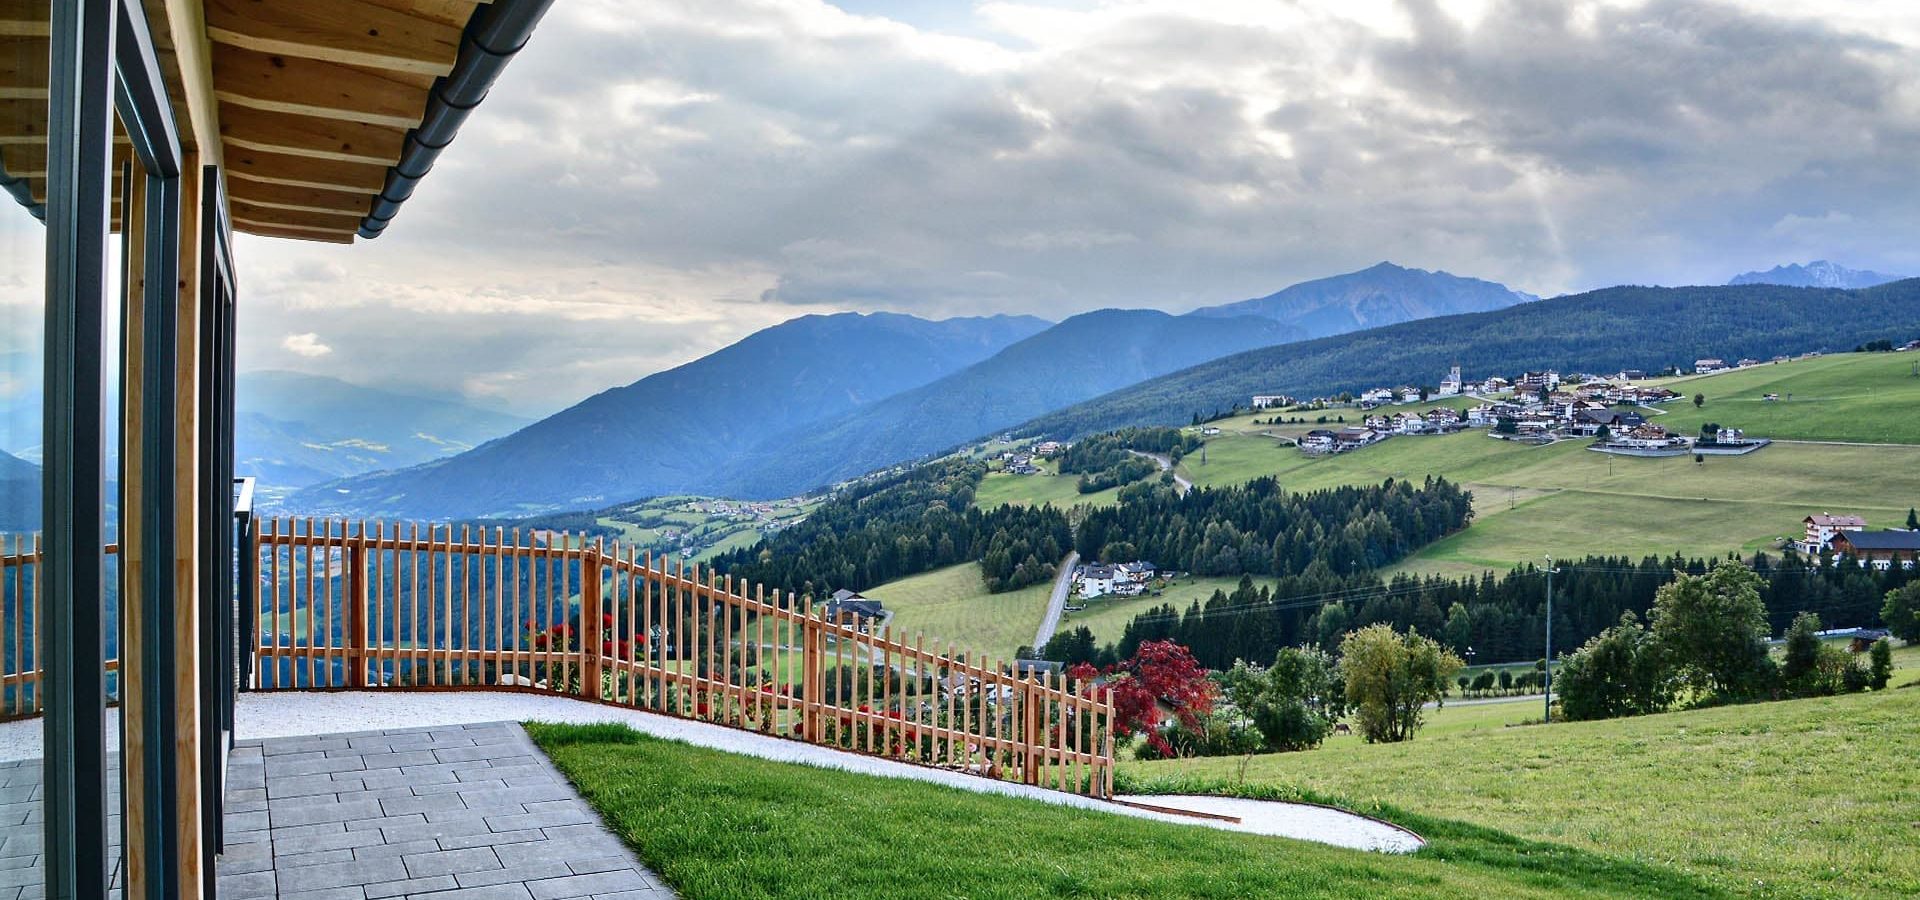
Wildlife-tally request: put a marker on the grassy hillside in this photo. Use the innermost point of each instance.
(952, 606)
(1793, 799)
(1565, 500)
(726, 826)
(1870, 397)
(1600, 331)
(1033, 490)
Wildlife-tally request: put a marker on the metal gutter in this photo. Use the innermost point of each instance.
(497, 31)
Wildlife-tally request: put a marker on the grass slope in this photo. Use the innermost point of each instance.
(1869, 397)
(1107, 617)
(716, 825)
(1564, 500)
(1799, 798)
(952, 605)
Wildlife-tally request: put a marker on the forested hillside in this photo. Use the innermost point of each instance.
(674, 431)
(914, 522)
(1083, 357)
(1602, 331)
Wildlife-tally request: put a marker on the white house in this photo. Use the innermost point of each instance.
(1821, 527)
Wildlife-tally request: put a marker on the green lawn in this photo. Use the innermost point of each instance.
(1000, 489)
(1565, 500)
(1793, 799)
(1867, 397)
(952, 605)
(715, 825)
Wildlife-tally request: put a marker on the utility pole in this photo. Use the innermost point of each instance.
(1551, 571)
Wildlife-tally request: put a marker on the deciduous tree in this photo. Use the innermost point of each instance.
(1620, 672)
(1713, 628)
(1390, 676)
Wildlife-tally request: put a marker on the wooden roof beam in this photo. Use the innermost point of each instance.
(309, 87)
(25, 18)
(23, 70)
(297, 234)
(302, 220)
(298, 171)
(277, 132)
(298, 199)
(377, 37)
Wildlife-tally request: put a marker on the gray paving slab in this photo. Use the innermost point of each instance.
(469, 812)
(456, 812)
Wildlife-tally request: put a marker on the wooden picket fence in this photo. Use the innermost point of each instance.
(375, 605)
(20, 629)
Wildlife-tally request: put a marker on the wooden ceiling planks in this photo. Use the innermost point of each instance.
(314, 97)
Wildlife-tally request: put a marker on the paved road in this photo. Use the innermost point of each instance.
(1166, 465)
(1062, 585)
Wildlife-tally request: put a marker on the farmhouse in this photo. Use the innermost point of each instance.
(1318, 440)
(1879, 549)
(1271, 401)
(1704, 366)
(1821, 527)
(852, 610)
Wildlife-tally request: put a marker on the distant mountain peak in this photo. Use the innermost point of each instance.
(1384, 293)
(1818, 274)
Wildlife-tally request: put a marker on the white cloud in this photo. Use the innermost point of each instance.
(651, 181)
(307, 345)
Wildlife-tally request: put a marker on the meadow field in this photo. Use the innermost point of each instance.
(1801, 798)
(1063, 491)
(1865, 397)
(1107, 617)
(1564, 500)
(953, 605)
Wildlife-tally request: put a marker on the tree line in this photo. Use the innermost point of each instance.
(1108, 460)
(904, 524)
(1259, 528)
(1497, 618)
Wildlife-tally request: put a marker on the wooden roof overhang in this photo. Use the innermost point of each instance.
(306, 104)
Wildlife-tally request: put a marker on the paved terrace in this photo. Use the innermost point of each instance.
(458, 812)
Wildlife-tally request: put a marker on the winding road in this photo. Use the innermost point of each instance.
(1057, 604)
(1166, 465)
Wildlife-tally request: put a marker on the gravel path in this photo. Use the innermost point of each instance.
(1299, 821)
(291, 713)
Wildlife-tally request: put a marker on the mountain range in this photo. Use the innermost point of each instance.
(1382, 294)
(1082, 357)
(1818, 274)
(819, 399)
(1600, 331)
(293, 429)
(19, 496)
(670, 432)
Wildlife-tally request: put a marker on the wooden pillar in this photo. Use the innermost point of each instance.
(591, 630)
(353, 553)
(188, 568)
(133, 533)
(810, 676)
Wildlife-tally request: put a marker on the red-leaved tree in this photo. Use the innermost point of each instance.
(1160, 672)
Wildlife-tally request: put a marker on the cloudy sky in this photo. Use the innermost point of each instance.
(654, 180)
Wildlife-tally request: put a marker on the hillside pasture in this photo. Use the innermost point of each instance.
(1863, 397)
(951, 606)
(1802, 798)
(1565, 500)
